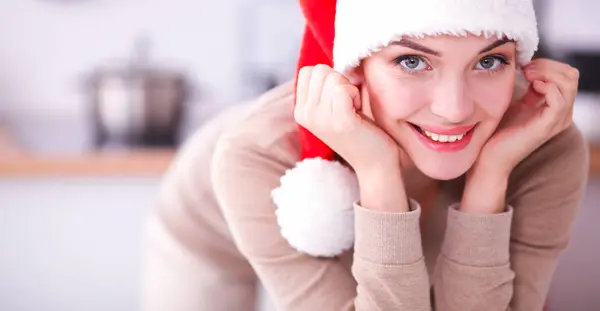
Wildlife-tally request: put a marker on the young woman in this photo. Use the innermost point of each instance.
(404, 169)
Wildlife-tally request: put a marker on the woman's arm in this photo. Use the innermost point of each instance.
(497, 257)
(388, 256)
(388, 261)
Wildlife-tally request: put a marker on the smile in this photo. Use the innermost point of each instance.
(444, 140)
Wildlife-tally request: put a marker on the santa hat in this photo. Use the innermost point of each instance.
(315, 199)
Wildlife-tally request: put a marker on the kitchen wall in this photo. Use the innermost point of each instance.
(571, 24)
(48, 46)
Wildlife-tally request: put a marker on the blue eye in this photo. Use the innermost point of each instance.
(491, 63)
(412, 62)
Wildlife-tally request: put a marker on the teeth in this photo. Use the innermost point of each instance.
(443, 138)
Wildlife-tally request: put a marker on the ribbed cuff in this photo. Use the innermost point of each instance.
(477, 239)
(388, 238)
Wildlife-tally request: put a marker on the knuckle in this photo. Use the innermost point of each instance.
(330, 83)
(340, 89)
(305, 72)
(338, 76)
(334, 78)
(300, 117)
(574, 73)
(322, 69)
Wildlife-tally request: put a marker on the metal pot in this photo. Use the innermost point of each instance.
(137, 107)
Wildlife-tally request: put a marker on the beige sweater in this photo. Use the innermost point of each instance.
(218, 193)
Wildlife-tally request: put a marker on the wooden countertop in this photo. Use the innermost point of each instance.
(150, 162)
(595, 160)
(124, 163)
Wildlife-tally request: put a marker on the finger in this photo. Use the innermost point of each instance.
(546, 63)
(554, 97)
(546, 75)
(333, 80)
(573, 73)
(534, 96)
(555, 111)
(540, 87)
(552, 94)
(302, 85)
(343, 107)
(565, 84)
(354, 93)
(567, 90)
(320, 73)
(568, 120)
(302, 89)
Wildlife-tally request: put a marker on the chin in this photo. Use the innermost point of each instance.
(442, 173)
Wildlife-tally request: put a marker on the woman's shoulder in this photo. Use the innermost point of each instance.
(259, 132)
(267, 128)
(562, 163)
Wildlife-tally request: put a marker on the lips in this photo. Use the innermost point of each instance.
(444, 140)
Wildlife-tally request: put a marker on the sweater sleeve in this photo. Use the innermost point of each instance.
(473, 270)
(388, 261)
(388, 266)
(506, 261)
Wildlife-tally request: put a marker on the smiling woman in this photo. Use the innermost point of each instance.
(453, 94)
(401, 170)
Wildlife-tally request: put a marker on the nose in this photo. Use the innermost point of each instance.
(451, 100)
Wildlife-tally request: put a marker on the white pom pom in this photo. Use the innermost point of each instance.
(315, 207)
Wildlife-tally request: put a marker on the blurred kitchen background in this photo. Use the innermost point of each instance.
(97, 95)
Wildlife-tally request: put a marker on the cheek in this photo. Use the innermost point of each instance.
(493, 96)
(397, 98)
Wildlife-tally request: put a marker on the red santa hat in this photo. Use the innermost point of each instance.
(315, 199)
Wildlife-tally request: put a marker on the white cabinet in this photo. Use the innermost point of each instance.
(72, 244)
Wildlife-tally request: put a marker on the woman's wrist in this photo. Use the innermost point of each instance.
(485, 191)
(382, 188)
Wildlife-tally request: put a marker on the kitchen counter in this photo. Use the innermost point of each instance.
(595, 160)
(150, 162)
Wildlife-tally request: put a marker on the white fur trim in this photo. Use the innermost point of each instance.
(365, 26)
(315, 207)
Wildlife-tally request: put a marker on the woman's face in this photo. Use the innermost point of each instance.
(440, 97)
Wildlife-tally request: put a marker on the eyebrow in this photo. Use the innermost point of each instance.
(415, 46)
(495, 45)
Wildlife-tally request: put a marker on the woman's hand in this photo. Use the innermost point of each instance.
(329, 106)
(544, 111)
